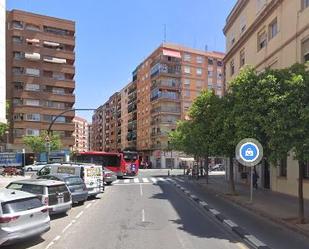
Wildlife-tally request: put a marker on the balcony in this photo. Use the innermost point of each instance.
(166, 109)
(168, 96)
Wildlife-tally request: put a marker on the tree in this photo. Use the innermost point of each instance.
(38, 144)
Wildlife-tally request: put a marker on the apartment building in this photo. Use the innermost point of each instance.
(124, 95)
(40, 75)
(90, 136)
(98, 128)
(269, 34)
(81, 134)
(2, 62)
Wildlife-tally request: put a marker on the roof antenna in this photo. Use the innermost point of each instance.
(206, 48)
(164, 33)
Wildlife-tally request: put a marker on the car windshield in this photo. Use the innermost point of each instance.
(30, 188)
(21, 205)
(73, 180)
(57, 189)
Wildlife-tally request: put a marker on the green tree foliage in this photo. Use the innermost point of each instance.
(38, 144)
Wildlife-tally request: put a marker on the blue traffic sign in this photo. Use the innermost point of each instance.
(249, 152)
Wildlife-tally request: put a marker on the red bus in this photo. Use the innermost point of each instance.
(124, 163)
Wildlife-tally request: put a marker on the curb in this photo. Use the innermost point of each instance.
(242, 233)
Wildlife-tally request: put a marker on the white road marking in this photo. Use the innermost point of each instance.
(136, 180)
(126, 181)
(93, 201)
(49, 245)
(180, 180)
(141, 190)
(214, 211)
(67, 227)
(204, 203)
(153, 179)
(115, 181)
(145, 180)
(89, 205)
(57, 238)
(254, 240)
(230, 223)
(79, 215)
(161, 179)
(143, 215)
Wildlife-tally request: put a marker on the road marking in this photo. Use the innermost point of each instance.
(93, 201)
(254, 240)
(67, 227)
(214, 211)
(79, 215)
(145, 180)
(153, 179)
(230, 223)
(126, 181)
(204, 203)
(49, 245)
(89, 205)
(57, 238)
(136, 180)
(141, 190)
(161, 179)
(143, 215)
(115, 181)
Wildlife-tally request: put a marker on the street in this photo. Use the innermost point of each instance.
(150, 214)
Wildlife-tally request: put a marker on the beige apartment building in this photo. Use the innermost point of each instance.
(40, 75)
(81, 134)
(269, 34)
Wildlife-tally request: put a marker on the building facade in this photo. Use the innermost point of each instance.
(90, 136)
(40, 75)
(2, 62)
(269, 34)
(81, 134)
(163, 88)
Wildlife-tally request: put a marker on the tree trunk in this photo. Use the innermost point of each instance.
(301, 215)
(231, 175)
(206, 167)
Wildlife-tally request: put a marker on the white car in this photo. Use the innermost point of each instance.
(22, 215)
(35, 167)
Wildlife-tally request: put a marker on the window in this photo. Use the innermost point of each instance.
(18, 85)
(242, 58)
(199, 71)
(32, 87)
(219, 63)
(187, 57)
(59, 91)
(32, 72)
(32, 132)
(272, 29)
(17, 70)
(18, 55)
(33, 117)
(187, 69)
(18, 117)
(242, 24)
(58, 76)
(232, 67)
(262, 40)
(210, 73)
(32, 27)
(187, 82)
(32, 102)
(210, 61)
(17, 25)
(220, 76)
(305, 50)
(199, 59)
(305, 3)
(187, 93)
(17, 39)
(199, 84)
(283, 166)
(17, 101)
(18, 132)
(259, 5)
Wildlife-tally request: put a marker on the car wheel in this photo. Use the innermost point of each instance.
(108, 183)
(81, 202)
(29, 169)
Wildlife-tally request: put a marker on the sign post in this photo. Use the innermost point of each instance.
(249, 152)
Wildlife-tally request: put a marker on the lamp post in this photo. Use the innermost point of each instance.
(7, 140)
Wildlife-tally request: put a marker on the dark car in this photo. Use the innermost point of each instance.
(74, 183)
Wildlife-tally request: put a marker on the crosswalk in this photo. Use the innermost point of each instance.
(143, 180)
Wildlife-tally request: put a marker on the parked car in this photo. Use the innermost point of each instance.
(22, 215)
(74, 183)
(35, 167)
(91, 174)
(217, 167)
(54, 194)
(109, 176)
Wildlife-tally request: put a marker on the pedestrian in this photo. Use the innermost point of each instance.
(150, 165)
(146, 165)
(255, 179)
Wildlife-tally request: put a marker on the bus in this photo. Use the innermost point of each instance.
(123, 163)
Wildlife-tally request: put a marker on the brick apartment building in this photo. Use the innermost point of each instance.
(269, 34)
(40, 75)
(163, 88)
(81, 134)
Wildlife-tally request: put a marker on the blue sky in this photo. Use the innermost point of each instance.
(113, 37)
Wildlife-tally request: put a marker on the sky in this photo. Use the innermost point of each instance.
(114, 36)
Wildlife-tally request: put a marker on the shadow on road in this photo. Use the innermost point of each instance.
(25, 243)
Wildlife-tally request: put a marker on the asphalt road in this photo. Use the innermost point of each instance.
(151, 213)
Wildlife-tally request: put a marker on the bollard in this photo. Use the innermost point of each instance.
(168, 172)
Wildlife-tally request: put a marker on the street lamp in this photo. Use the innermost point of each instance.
(7, 140)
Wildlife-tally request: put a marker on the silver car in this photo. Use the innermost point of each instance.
(54, 194)
(22, 215)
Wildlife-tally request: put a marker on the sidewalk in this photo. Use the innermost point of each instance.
(277, 207)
